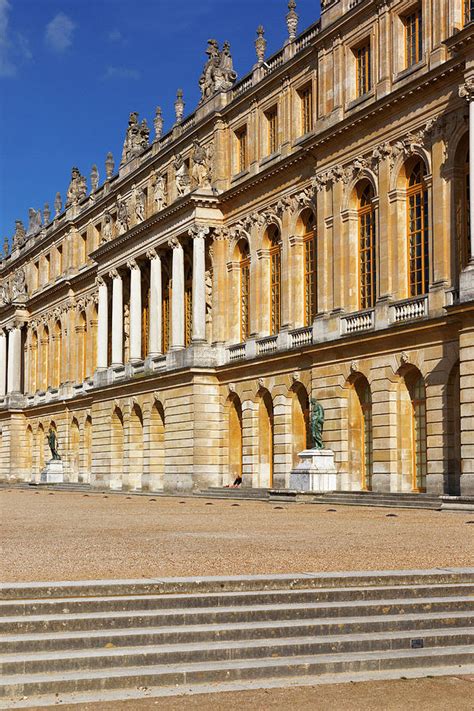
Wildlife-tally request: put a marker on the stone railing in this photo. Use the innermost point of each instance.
(236, 352)
(268, 344)
(305, 38)
(301, 337)
(274, 62)
(243, 85)
(409, 309)
(356, 322)
(188, 123)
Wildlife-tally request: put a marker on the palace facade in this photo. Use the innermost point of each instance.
(305, 232)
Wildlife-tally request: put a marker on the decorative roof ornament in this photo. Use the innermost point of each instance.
(94, 178)
(260, 44)
(58, 205)
(218, 73)
(109, 165)
(46, 214)
(6, 247)
(292, 20)
(179, 106)
(136, 138)
(34, 226)
(158, 123)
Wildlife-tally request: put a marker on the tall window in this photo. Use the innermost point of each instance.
(417, 213)
(413, 37)
(244, 292)
(366, 445)
(310, 276)
(306, 98)
(467, 214)
(367, 249)
(272, 126)
(242, 153)
(364, 82)
(275, 279)
(416, 388)
(468, 11)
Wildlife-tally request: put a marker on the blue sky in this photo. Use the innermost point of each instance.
(71, 71)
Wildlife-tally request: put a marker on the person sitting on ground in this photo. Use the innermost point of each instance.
(236, 485)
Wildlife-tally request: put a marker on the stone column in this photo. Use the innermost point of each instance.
(103, 334)
(220, 300)
(177, 296)
(14, 360)
(466, 91)
(117, 318)
(155, 330)
(198, 234)
(135, 311)
(3, 364)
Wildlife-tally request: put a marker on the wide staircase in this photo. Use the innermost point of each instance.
(84, 642)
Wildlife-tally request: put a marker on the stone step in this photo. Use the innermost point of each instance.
(231, 614)
(89, 588)
(177, 654)
(50, 641)
(15, 686)
(161, 602)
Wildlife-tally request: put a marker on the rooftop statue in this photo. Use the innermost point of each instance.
(18, 287)
(34, 223)
(46, 214)
(109, 165)
(160, 192)
(6, 247)
(202, 165)
(94, 178)
(58, 204)
(20, 234)
(182, 175)
(218, 73)
(77, 189)
(140, 204)
(107, 227)
(123, 218)
(136, 139)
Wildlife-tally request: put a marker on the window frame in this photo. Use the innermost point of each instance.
(419, 236)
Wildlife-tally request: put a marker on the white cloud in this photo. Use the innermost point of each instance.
(121, 73)
(114, 35)
(58, 34)
(14, 46)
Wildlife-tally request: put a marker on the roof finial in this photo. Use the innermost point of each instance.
(260, 44)
(292, 20)
(179, 106)
(158, 123)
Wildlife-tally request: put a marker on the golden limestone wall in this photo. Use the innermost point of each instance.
(303, 234)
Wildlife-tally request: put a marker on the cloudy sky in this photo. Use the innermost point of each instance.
(71, 71)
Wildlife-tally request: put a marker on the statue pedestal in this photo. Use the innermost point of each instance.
(315, 472)
(53, 473)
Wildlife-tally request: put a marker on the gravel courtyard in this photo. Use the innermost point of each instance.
(49, 535)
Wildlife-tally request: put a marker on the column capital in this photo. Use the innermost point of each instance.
(99, 281)
(152, 254)
(198, 231)
(174, 243)
(132, 264)
(466, 90)
(221, 234)
(114, 274)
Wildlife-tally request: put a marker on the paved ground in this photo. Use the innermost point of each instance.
(437, 694)
(72, 536)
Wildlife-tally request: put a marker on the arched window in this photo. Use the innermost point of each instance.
(417, 228)
(310, 277)
(367, 248)
(275, 279)
(466, 214)
(244, 291)
(468, 11)
(365, 398)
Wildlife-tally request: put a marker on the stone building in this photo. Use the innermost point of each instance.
(304, 233)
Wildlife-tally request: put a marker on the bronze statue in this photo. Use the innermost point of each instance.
(317, 423)
(53, 444)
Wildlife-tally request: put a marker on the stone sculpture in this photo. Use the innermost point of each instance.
(20, 235)
(107, 227)
(46, 214)
(58, 205)
(292, 20)
(18, 287)
(77, 189)
(53, 444)
(6, 247)
(202, 165)
(160, 192)
(123, 218)
(260, 44)
(140, 204)
(109, 166)
(136, 138)
(158, 123)
(5, 297)
(182, 175)
(179, 106)
(94, 178)
(317, 424)
(34, 223)
(218, 73)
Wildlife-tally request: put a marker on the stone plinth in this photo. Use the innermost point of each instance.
(316, 471)
(53, 473)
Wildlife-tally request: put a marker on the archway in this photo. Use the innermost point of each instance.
(300, 421)
(40, 446)
(157, 447)
(453, 483)
(266, 439)
(116, 456)
(360, 433)
(86, 474)
(74, 450)
(412, 430)
(135, 448)
(235, 438)
(29, 452)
